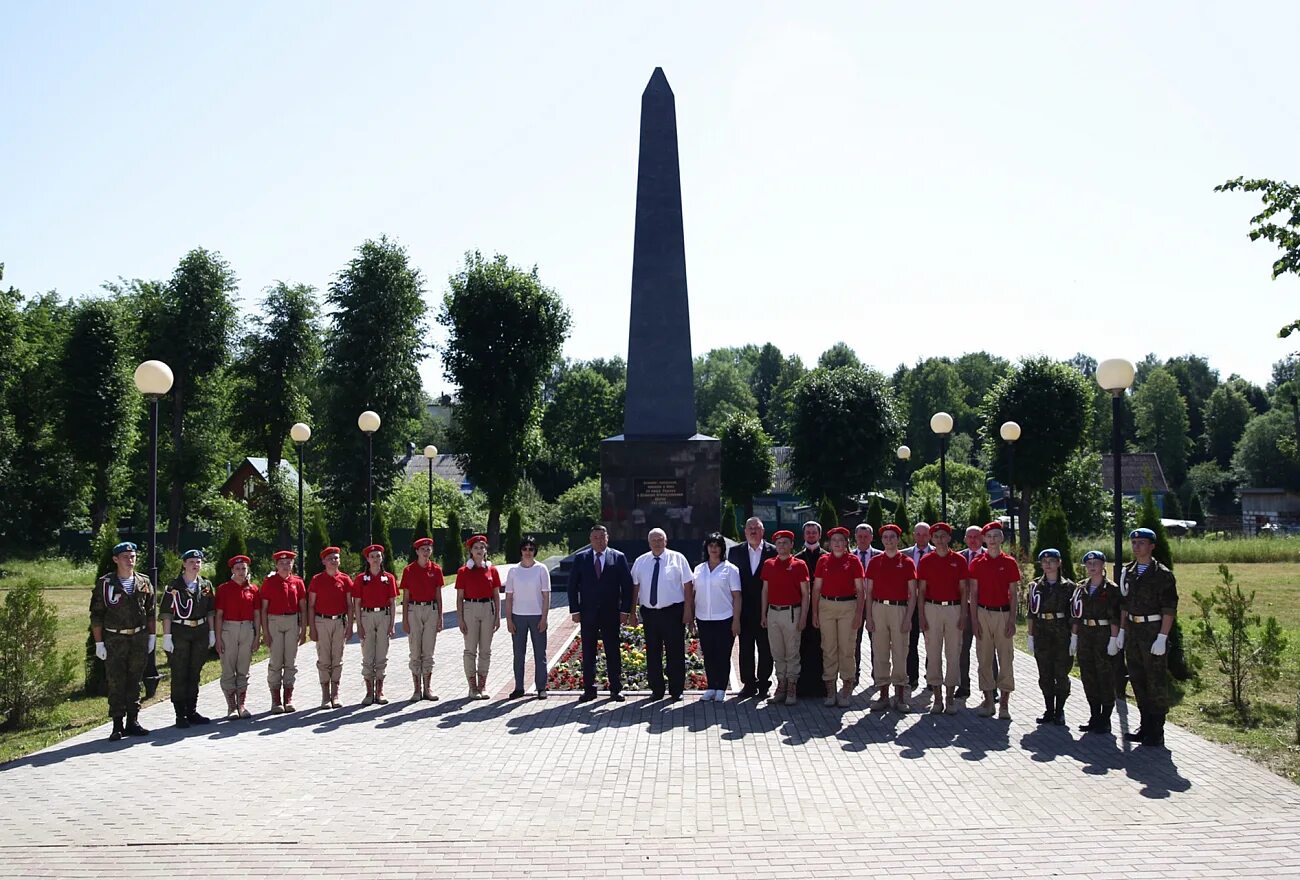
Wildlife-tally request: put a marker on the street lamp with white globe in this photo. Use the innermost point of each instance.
(369, 422)
(153, 379)
(904, 455)
(1010, 433)
(430, 453)
(300, 433)
(941, 424)
(1116, 376)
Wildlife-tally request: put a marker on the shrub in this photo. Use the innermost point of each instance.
(875, 519)
(1241, 655)
(827, 515)
(318, 538)
(453, 551)
(1054, 531)
(421, 531)
(728, 528)
(981, 512)
(579, 507)
(33, 675)
(232, 546)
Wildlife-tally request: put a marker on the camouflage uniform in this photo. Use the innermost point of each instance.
(1094, 614)
(1146, 598)
(1049, 608)
(188, 614)
(126, 621)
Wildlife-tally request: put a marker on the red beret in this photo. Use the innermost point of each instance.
(422, 542)
(784, 533)
(328, 551)
(941, 527)
(284, 554)
(991, 526)
(230, 563)
(891, 528)
(371, 549)
(838, 530)
(474, 540)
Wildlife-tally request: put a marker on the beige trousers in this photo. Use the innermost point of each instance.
(838, 633)
(283, 668)
(329, 649)
(423, 636)
(479, 623)
(993, 639)
(942, 645)
(784, 638)
(236, 654)
(374, 643)
(889, 644)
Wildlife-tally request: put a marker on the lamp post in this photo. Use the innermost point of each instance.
(430, 453)
(905, 453)
(153, 379)
(1116, 376)
(1010, 432)
(941, 424)
(369, 423)
(300, 433)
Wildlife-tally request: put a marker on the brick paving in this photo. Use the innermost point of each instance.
(558, 788)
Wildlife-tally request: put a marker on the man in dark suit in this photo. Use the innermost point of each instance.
(749, 558)
(920, 546)
(810, 647)
(600, 598)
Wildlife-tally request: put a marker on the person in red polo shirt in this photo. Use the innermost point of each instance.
(941, 597)
(238, 617)
(374, 609)
(995, 593)
(284, 627)
(422, 615)
(478, 596)
(784, 614)
(330, 622)
(890, 598)
(837, 613)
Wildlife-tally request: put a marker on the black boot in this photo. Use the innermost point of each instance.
(133, 727)
(1050, 714)
(1140, 733)
(181, 721)
(193, 716)
(117, 730)
(1059, 717)
(1155, 731)
(1102, 723)
(1094, 713)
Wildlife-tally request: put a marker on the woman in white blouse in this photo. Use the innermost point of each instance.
(717, 613)
(528, 601)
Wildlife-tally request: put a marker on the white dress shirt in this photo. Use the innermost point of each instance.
(526, 584)
(755, 557)
(713, 590)
(674, 575)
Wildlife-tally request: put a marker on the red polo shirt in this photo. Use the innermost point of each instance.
(282, 595)
(236, 602)
(478, 582)
(995, 575)
(331, 592)
(942, 575)
(375, 590)
(783, 578)
(838, 573)
(889, 577)
(422, 584)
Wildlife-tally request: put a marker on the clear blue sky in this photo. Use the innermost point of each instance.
(916, 179)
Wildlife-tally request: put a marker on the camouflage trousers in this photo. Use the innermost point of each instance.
(125, 670)
(1052, 651)
(1148, 673)
(1096, 667)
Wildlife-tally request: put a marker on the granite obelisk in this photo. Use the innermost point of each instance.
(660, 472)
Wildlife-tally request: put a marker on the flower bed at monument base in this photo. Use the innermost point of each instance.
(566, 674)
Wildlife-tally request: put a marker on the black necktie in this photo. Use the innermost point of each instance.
(654, 585)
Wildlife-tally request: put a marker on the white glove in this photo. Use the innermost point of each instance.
(153, 642)
(1120, 643)
(1074, 644)
(212, 639)
(1112, 647)
(100, 651)
(168, 644)
(1158, 647)
(1031, 645)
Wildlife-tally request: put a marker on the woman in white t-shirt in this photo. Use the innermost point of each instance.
(717, 613)
(528, 599)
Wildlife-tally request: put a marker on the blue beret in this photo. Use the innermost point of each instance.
(1050, 552)
(192, 554)
(1094, 554)
(123, 547)
(1142, 533)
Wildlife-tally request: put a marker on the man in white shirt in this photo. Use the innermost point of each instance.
(921, 545)
(662, 586)
(863, 535)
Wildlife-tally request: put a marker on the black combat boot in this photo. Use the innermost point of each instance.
(1058, 718)
(117, 730)
(1139, 734)
(193, 716)
(1094, 713)
(133, 727)
(1155, 731)
(1049, 714)
(181, 721)
(1102, 724)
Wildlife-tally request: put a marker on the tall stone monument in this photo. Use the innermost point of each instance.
(659, 471)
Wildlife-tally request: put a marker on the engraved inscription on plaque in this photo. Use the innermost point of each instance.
(660, 493)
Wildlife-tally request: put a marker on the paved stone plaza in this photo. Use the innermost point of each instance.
(554, 788)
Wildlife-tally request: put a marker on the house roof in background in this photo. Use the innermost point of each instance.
(444, 465)
(1138, 471)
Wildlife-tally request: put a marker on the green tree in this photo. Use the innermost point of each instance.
(827, 514)
(382, 537)
(875, 519)
(377, 303)
(728, 527)
(453, 551)
(421, 531)
(841, 354)
(1195, 512)
(780, 417)
(747, 460)
(1215, 487)
(579, 507)
(1280, 199)
(1077, 484)
(1054, 531)
(763, 381)
(1266, 455)
(505, 335)
(318, 538)
(232, 545)
(1173, 508)
(980, 372)
(1196, 382)
(854, 407)
(721, 391)
(933, 385)
(274, 369)
(929, 515)
(1162, 423)
(514, 535)
(33, 675)
(585, 409)
(1037, 386)
(1226, 414)
(1241, 654)
(964, 481)
(981, 512)
(904, 522)
(100, 405)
